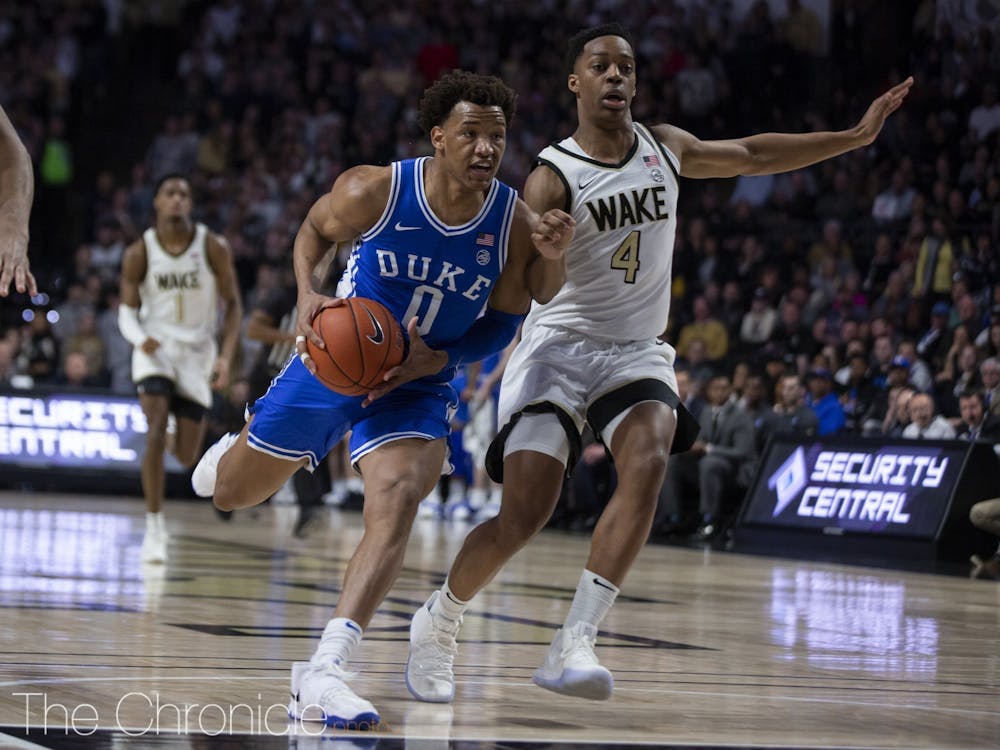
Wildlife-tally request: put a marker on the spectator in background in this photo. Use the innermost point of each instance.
(984, 119)
(919, 374)
(931, 344)
(974, 424)
(76, 373)
(790, 414)
(924, 423)
(932, 278)
(87, 342)
(898, 415)
(989, 372)
(41, 349)
(706, 328)
(712, 466)
(895, 203)
(758, 323)
(822, 400)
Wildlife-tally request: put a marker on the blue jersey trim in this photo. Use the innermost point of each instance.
(433, 220)
(390, 205)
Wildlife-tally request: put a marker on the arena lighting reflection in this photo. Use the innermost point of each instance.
(67, 554)
(850, 622)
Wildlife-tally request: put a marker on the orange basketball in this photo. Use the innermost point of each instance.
(362, 340)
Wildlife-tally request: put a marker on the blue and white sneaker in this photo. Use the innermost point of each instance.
(321, 693)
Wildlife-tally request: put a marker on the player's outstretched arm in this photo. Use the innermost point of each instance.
(770, 153)
(17, 188)
(353, 206)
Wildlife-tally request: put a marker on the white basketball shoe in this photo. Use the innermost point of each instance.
(572, 668)
(154, 546)
(203, 476)
(429, 669)
(321, 693)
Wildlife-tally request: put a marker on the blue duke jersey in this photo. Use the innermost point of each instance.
(416, 265)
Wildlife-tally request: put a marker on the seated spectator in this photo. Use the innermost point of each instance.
(689, 394)
(713, 464)
(857, 392)
(897, 416)
(924, 423)
(790, 414)
(989, 372)
(758, 323)
(932, 278)
(706, 328)
(76, 373)
(896, 202)
(974, 424)
(931, 344)
(824, 402)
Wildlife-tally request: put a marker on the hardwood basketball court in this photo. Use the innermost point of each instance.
(708, 648)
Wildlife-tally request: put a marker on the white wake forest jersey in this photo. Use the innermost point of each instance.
(178, 297)
(618, 267)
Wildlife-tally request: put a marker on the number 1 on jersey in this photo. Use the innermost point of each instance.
(626, 257)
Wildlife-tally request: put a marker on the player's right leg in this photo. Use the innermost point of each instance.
(154, 398)
(532, 482)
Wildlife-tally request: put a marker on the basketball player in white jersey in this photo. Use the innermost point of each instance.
(173, 279)
(592, 354)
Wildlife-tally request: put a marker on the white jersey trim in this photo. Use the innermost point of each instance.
(390, 205)
(446, 229)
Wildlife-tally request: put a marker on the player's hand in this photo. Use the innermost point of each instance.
(552, 233)
(871, 124)
(150, 345)
(14, 264)
(220, 373)
(307, 307)
(421, 361)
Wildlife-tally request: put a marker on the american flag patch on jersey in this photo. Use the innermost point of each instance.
(485, 238)
(652, 160)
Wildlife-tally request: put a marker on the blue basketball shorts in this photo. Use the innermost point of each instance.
(299, 417)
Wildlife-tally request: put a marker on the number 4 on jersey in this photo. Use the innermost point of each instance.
(626, 257)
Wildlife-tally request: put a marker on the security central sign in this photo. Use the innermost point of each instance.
(842, 484)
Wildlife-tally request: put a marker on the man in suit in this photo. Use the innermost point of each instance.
(976, 424)
(989, 371)
(725, 443)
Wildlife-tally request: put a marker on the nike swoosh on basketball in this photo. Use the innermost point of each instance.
(583, 183)
(401, 228)
(603, 585)
(379, 336)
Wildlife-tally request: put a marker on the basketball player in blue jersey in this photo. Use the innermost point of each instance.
(592, 354)
(172, 282)
(17, 187)
(458, 257)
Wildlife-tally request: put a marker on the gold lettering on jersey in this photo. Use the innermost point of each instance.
(629, 207)
(166, 282)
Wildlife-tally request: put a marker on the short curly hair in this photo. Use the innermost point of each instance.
(574, 47)
(461, 86)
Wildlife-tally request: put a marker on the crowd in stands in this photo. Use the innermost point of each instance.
(864, 290)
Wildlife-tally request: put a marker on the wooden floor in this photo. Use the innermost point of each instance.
(708, 648)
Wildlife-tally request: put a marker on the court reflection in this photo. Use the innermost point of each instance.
(837, 620)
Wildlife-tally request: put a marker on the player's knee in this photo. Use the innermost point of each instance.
(648, 462)
(520, 521)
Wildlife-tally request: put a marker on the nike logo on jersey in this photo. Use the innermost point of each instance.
(400, 228)
(603, 585)
(583, 183)
(378, 337)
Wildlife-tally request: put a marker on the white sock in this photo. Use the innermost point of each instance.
(594, 597)
(154, 523)
(355, 484)
(448, 605)
(340, 637)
